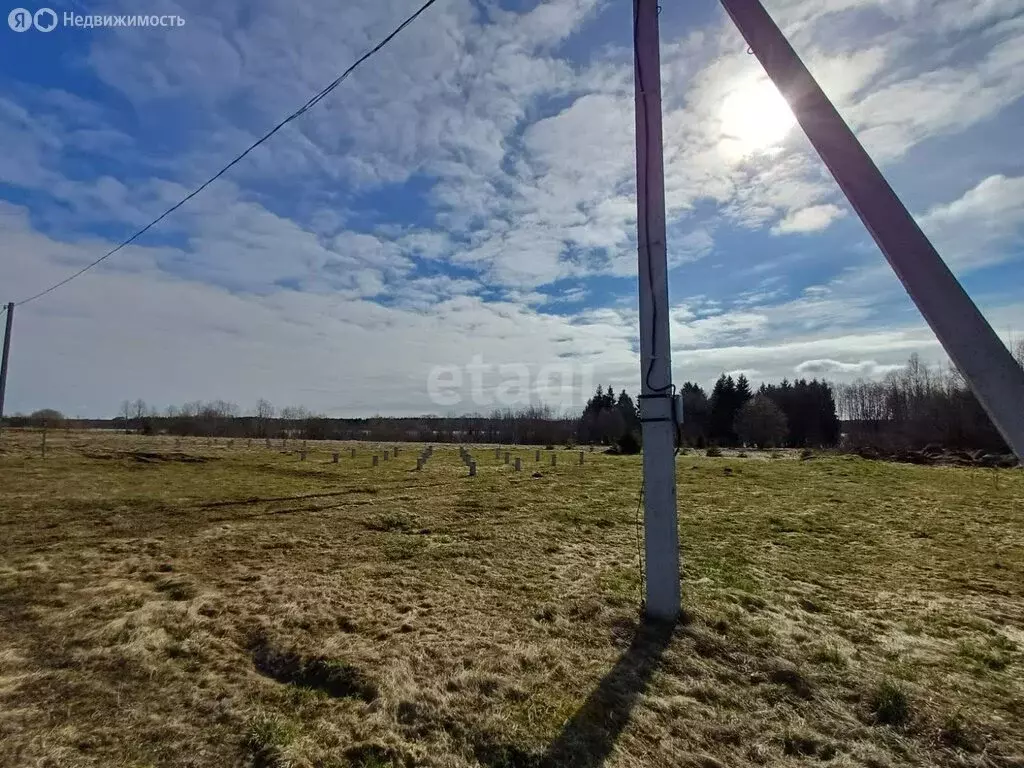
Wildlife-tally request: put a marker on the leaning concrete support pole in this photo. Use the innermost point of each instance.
(994, 376)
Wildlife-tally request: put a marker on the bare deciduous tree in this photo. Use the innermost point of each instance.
(126, 414)
(914, 407)
(264, 413)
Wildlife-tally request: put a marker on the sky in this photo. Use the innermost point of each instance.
(453, 228)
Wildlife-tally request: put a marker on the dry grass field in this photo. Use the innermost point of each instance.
(216, 604)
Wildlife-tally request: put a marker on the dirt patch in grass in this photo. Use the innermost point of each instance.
(147, 457)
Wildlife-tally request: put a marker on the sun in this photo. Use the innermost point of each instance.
(755, 118)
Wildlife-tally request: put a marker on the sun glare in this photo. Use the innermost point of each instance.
(755, 118)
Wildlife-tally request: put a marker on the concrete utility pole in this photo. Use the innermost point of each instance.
(995, 377)
(3, 362)
(661, 534)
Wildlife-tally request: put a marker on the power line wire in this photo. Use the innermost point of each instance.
(300, 111)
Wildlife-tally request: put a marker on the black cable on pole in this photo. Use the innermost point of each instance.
(646, 138)
(297, 113)
(648, 256)
(646, 193)
(639, 528)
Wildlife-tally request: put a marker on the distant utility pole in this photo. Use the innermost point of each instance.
(3, 362)
(661, 533)
(994, 376)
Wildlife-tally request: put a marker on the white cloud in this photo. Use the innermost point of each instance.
(844, 75)
(458, 97)
(813, 219)
(975, 230)
(826, 367)
(689, 247)
(947, 99)
(143, 333)
(980, 14)
(522, 162)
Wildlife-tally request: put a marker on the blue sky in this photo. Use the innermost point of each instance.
(468, 197)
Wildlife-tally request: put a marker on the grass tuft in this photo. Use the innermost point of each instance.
(176, 588)
(994, 653)
(805, 743)
(395, 522)
(546, 613)
(956, 733)
(831, 655)
(889, 703)
(373, 756)
(267, 738)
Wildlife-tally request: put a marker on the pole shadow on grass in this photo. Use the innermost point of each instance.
(589, 737)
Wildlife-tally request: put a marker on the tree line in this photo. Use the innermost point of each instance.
(789, 414)
(911, 408)
(918, 406)
(797, 414)
(534, 425)
(610, 420)
(731, 416)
